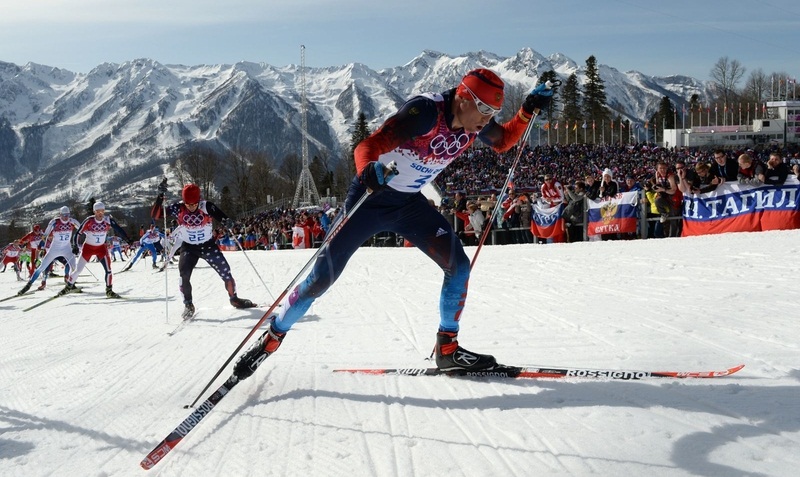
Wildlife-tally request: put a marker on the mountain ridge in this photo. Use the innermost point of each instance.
(73, 134)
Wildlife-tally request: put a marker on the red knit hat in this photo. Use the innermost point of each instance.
(486, 85)
(190, 194)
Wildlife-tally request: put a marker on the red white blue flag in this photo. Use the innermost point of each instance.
(547, 222)
(733, 207)
(614, 215)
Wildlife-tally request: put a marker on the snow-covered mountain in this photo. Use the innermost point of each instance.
(112, 131)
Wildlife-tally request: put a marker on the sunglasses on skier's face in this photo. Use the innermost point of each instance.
(482, 107)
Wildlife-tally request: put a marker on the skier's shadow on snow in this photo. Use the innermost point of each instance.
(13, 420)
(760, 411)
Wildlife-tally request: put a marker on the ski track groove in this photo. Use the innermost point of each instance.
(662, 327)
(492, 458)
(556, 458)
(391, 419)
(363, 437)
(379, 302)
(293, 417)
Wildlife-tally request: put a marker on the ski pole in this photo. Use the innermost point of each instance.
(334, 230)
(520, 148)
(238, 244)
(90, 273)
(166, 273)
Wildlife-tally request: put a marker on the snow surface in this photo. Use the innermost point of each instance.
(88, 386)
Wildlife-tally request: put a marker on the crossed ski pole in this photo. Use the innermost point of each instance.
(334, 230)
(238, 244)
(520, 148)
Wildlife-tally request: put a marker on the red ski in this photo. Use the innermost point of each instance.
(177, 434)
(536, 372)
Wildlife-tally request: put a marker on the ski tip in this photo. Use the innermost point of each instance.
(735, 369)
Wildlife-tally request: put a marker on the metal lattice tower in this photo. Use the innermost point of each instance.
(306, 193)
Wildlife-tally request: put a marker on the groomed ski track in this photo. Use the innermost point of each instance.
(89, 386)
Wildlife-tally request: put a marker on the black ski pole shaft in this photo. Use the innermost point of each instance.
(238, 244)
(520, 148)
(492, 216)
(332, 233)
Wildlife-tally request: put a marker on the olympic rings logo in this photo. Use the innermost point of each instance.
(98, 227)
(443, 146)
(193, 220)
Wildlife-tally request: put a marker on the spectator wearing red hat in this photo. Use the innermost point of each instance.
(428, 132)
(199, 242)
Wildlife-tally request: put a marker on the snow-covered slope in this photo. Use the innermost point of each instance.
(88, 386)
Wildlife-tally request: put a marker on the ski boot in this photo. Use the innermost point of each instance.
(452, 357)
(24, 289)
(241, 302)
(111, 293)
(247, 363)
(69, 288)
(188, 311)
(42, 286)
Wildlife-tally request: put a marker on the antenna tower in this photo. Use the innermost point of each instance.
(306, 193)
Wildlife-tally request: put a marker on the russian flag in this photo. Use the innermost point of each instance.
(615, 215)
(547, 222)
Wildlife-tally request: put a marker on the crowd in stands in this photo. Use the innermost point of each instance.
(482, 171)
(470, 185)
(279, 229)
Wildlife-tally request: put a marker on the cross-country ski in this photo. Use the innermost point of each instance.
(548, 372)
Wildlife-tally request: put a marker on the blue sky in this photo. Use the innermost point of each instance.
(656, 38)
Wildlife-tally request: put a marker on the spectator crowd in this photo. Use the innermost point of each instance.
(555, 174)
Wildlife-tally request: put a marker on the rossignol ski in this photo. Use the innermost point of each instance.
(177, 434)
(536, 372)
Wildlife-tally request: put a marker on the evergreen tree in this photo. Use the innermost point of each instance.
(360, 132)
(665, 117)
(594, 94)
(695, 111)
(226, 201)
(571, 95)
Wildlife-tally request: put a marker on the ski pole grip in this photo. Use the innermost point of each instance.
(391, 168)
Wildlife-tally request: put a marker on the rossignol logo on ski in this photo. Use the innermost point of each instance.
(487, 374)
(606, 373)
(193, 419)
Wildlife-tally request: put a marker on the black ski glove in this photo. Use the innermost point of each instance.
(162, 188)
(539, 99)
(376, 175)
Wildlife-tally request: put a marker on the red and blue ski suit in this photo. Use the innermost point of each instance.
(420, 140)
